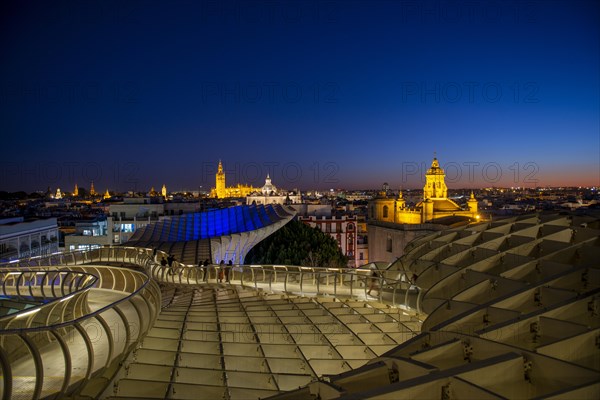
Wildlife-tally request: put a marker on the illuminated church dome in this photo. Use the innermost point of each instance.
(270, 194)
(268, 188)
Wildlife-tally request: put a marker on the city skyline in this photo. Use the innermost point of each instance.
(319, 95)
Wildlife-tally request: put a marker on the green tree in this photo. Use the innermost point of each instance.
(298, 244)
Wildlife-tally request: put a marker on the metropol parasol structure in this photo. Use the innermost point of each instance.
(502, 309)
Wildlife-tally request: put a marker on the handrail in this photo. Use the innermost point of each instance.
(394, 291)
(7, 276)
(67, 283)
(68, 280)
(342, 282)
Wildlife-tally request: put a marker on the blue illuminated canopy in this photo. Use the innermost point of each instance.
(189, 236)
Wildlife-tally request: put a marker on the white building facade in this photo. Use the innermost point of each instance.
(269, 194)
(20, 238)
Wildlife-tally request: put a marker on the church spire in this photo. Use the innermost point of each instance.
(435, 185)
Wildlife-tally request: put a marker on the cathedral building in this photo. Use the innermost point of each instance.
(270, 194)
(221, 191)
(434, 205)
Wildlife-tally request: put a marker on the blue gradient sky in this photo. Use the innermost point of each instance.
(320, 94)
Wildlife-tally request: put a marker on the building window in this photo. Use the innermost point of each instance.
(388, 244)
(360, 256)
(127, 228)
(385, 211)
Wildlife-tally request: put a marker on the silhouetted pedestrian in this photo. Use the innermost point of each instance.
(206, 263)
(221, 270)
(228, 270)
(170, 261)
(374, 280)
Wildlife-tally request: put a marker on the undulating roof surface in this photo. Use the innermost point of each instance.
(213, 223)
(512, 312)
(193, 238)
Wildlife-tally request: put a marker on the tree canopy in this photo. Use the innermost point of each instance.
(298, 244)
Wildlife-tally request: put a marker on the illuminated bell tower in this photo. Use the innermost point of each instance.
(163, 191)
(220, 182)
(76, 191)
(435, 185)
(92, 190)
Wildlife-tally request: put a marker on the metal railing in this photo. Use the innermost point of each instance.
(87, 320)
(84, 319)
(395, 290)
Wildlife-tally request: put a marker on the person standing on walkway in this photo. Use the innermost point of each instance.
(374, 280)
(170, 260)
(206, 265)
(221, 270)
(228, 270)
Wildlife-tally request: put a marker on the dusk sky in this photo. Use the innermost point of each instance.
(332, 94)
